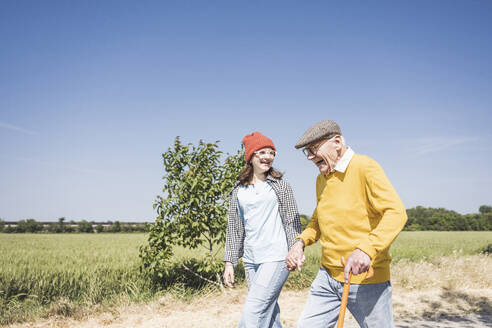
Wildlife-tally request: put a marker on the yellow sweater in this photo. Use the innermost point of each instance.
(356, 209)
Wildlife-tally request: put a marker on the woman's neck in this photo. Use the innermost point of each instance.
(258, 177)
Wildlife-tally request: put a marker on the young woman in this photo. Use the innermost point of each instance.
(262, 225)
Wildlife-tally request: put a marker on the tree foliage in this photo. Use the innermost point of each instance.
(485, 209)
(193, 209)
(304, 221)
(29, 225)
(441, 219)
(33, 226)
(84, 226)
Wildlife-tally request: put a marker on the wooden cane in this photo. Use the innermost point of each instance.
(343, 305)
(346, 289)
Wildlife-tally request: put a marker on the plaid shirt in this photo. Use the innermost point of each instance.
(235, 229)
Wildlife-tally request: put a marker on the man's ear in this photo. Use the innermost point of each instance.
(338, 140)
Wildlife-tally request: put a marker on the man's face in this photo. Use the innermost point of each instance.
(325, 154)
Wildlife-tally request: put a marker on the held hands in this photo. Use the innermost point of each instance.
(229, 275)
(295, 258)
(357, 262)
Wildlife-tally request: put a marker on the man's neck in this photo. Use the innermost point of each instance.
(340, 155)
(342, 152)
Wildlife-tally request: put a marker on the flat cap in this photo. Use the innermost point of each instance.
(321, 130)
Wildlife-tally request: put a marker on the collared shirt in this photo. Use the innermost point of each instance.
(344, 161)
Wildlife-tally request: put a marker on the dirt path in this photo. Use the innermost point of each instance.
(437, 308)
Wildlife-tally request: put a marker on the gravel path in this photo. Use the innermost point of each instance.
(465, 308)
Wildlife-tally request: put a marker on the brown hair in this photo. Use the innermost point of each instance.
(246, 174)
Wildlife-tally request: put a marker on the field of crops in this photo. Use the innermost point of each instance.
(45, 274)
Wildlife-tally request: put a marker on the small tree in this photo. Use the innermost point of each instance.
(2, 225)
(29, 225)
(84, 226)
(70, 226)
(99, 228)
(485, 209)
(60, 226)
(193, 211)
(115, 227)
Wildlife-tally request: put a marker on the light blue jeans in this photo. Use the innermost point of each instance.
(369, 304)
(265, 281)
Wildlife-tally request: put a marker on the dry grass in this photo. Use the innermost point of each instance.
(444, 287)
(448, 287)
(450, 272)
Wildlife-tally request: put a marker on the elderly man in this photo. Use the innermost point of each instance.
(358, 215)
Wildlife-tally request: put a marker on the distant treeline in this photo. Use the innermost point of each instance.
(419, 218)
(440, 219)
(33, 226)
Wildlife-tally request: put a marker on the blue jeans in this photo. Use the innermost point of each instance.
(265, 281)
(370, 304)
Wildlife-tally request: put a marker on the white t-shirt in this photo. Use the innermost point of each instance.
(265, 239)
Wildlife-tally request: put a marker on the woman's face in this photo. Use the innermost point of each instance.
(262, 160)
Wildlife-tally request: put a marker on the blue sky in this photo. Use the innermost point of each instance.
(92, 93)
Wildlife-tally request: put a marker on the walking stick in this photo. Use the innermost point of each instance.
(346, 289)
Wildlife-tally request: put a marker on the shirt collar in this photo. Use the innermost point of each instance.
(344, 161)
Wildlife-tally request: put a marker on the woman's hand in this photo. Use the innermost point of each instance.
(295, 258)
(229, 275)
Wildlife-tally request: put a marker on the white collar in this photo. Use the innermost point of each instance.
(344, 161)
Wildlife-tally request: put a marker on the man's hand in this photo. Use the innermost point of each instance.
(295, 258)
(357, 262)
(229, 275)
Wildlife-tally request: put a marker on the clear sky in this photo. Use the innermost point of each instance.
(92, 93)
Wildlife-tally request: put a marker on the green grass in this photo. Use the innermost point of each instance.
(423, 245)
(39, 270)
(43, 274)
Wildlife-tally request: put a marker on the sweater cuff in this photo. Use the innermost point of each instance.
(366, 247)
(304, 240)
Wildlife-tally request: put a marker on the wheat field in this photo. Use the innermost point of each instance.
(79, 276)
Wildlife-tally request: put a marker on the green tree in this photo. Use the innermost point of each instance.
(115, 227)
(304, 221)
(99, 228)
(2, 225)
(193, 210)
(70, 226)
(29, 225)
(60, 226)
(84, 226)
(485, 209)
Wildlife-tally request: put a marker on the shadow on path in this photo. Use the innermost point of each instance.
(444, 313)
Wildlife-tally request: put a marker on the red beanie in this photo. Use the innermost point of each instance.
(254, 141)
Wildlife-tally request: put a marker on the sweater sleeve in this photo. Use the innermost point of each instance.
(387, 210)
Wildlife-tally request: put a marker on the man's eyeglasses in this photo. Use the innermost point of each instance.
(311, 150)
(265, 153)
